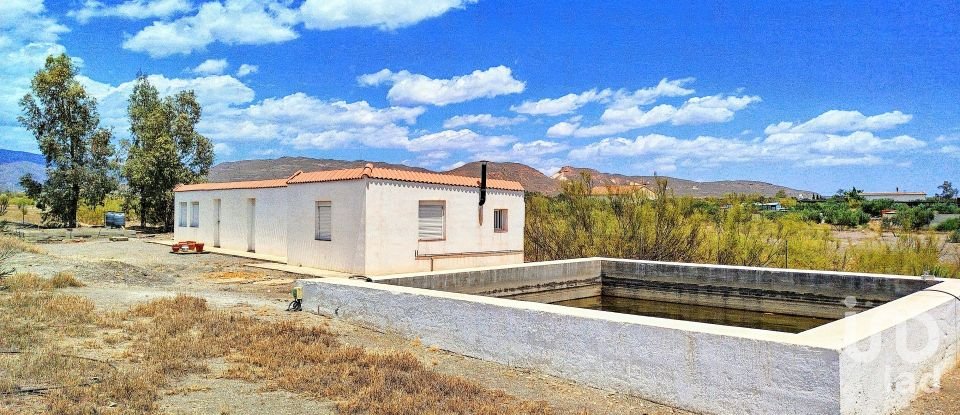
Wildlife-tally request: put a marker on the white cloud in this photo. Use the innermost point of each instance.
(211, 67)
(712, 109)
(646, 96)
(223, 150)
(542, 155)
(464, 139)
(253, 22)
(414, 89)
(308, 122)
(563, 105)
(27, 37)
(385, 15)
(835, 121)
(951, 150)
(696, 110)
(562, 129)
(618, 99)
(130, 9)
(801, 149)
(247, 69)
(215, 94)
(235, 22)
(483, 120)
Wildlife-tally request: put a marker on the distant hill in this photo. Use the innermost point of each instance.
(531, 179)
(232, 171)
(682, 187)
(15, 164)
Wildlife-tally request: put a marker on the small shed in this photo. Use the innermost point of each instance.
(365, 221)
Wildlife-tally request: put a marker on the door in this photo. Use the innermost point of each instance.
(252, 225)
(216, 223)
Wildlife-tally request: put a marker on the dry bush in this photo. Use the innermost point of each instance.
(25, 282)
(64, 280)
(177, 334)
(14, 244)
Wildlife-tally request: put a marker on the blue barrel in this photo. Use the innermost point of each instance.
(115, 219)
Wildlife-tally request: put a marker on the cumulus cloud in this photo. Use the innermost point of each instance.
(483, 120)
(696, 110)
(563, 105)
(247, 69)
(458, 140)
(211, 67)
(27, 37)
(646, 96)
(235, 22)
(542, 155)
(801, 149)
(131, 9)
(385, 15)
(253, 22)
(414, 89)
(617, 99)
(835, 121)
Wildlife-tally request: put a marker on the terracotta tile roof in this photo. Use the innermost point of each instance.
(404, 176)
(254, 184)
(355, 174)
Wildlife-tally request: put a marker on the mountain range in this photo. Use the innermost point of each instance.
(14, 164)
(532, 179)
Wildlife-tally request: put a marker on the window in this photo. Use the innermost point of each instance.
(430, 225)
(324, 221)
(499, 220)
(195, 214)
(183, 214)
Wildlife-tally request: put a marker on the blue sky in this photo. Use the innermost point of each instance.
(815, 95)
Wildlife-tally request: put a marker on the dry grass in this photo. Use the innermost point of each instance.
(176, 335)
(13, 244)
(24, 282)
(168, 338)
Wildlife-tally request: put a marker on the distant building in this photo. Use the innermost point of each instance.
(366, 221)
(897, 196)
(771, 207)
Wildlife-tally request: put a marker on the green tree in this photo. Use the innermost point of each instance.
(164, 150)
(947, 191)
(64, 120)
(4, 203)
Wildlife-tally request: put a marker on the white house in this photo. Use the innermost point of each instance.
(365, 221)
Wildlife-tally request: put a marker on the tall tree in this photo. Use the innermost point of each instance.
(947, 191)
(64, 120)
(164, 150)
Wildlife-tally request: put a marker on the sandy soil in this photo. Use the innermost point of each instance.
(120, 274)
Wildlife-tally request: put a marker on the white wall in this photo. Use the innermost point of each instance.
(270, 232)
(345, 250)
(392, 221)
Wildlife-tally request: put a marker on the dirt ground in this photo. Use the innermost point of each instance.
(119, 275)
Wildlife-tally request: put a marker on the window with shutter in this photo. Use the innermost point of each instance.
(183, 215)
(499, 220)
(195, 214)
(324, 221)
(431, 220)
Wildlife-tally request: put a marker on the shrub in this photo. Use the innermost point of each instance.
(954, 237)
(948, 225)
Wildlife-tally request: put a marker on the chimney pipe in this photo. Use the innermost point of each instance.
(483, 182)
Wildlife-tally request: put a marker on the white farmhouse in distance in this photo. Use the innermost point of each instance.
(364, 221)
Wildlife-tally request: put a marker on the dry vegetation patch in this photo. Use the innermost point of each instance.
(51, 337)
